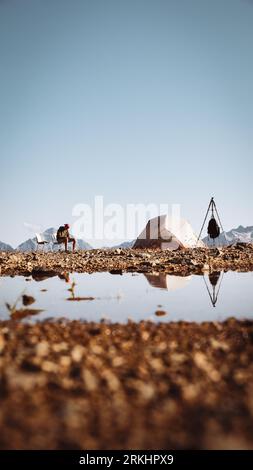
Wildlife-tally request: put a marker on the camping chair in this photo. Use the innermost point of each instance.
(40, 240)
(55, 241)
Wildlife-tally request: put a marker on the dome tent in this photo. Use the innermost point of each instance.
(167, 233)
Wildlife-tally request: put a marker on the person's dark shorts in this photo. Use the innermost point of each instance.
(63, 239)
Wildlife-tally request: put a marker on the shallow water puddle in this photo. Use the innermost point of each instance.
(117, 298)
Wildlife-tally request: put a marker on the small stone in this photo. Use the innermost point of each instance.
(48, 366)
(65, 361)
(42, 349)
(77, 353)
(90, 380)
(28, 299)
(2, 343)
(160, 313)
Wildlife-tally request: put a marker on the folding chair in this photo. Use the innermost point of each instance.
(40, 240)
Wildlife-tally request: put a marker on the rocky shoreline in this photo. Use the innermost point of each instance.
(137, 386)
(74, 385)
(182, 262)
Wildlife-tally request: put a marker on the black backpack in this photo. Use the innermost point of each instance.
(61, 232)
(213, 229)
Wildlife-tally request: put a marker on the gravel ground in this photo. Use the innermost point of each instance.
(141, 385)
(183, 262)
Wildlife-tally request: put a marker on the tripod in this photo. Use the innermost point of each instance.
(213, 209)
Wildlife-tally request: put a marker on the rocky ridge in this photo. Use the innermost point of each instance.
(182, 262)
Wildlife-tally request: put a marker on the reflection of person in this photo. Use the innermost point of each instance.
(64, 276)
(63, 236)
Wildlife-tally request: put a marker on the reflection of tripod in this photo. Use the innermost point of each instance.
(214, 281)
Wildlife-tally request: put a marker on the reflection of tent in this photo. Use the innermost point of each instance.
(166, 281)
(167, 233)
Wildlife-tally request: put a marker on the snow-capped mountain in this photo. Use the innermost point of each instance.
(240, 234)
(124, 245)
(47, 235)
(5, 247)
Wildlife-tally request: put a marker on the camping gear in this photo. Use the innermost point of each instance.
(62, 232)
(213, 228)
(40, 240)
(167, 233)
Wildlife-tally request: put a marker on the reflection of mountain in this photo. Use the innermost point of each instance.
(166, 281)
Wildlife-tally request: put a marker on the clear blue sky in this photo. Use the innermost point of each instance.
(136, 100)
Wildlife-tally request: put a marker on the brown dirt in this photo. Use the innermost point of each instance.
(183, 262)
(107, 386)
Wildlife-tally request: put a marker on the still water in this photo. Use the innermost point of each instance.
(117, 298)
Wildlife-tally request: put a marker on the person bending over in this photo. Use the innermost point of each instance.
(63, 236)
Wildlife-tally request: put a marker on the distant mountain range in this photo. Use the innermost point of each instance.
(5, 247)
(240, 234)
(47, 235)
(124, 245)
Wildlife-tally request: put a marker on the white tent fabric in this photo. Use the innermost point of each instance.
(167, 233)
(167, 281)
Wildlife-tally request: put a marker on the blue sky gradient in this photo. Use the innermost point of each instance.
(136, 100)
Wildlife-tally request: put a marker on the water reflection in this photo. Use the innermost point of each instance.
(64, 277)
(158, 280)
(135, 296)
(166, 281)
(170, 283)
(40, 275)
(215, 281)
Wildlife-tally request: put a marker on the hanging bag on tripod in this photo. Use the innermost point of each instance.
(213, 229)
